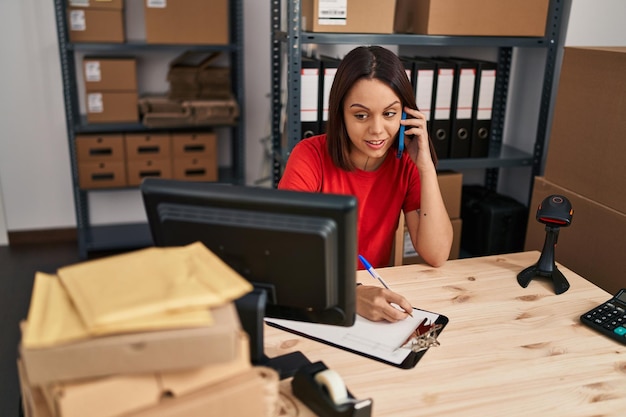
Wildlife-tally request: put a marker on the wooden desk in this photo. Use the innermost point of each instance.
(507, 350)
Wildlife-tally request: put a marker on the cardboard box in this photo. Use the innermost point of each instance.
(187, 22)
(133, 353)
(474, 17)
(139, 169)
(186, 145)
(594, 243)
(195, 168)
(99, 148)
(103, 174)
(117, 395)
(409, 256)
(357, 16)
(451, 186)
(254, 392)
(587, 147)
(97, 4)
(33, 401)
(110, 74)
(210, 112)
(112, 107)
(95, 25)
(141, 146)
(193, 76)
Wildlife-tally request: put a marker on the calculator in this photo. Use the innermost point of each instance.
(609, 318)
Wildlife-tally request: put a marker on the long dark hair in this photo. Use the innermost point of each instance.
(369, 62)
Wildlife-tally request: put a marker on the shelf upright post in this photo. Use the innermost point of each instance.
(237, 60)
(292, 108)
(556, 28)
(276, 83)
(499, 110)
(70, 100)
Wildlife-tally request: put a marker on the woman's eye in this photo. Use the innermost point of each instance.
(390, 114)
(360, 116)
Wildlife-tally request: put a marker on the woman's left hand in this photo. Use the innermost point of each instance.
(416, 137)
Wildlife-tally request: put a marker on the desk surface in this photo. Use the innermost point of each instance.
(507, 350)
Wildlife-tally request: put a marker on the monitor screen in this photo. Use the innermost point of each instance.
(298, 248)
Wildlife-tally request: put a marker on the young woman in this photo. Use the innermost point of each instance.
(358, 156)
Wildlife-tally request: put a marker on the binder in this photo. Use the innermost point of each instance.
(484, 90)
(462, 107)
(441, 107)
(310, 97)
(329, 67)
(423, 80)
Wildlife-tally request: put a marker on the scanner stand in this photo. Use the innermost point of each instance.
(251, 309)
(546, 267)
(317, 398)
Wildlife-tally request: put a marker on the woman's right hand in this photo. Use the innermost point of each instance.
(375, 304)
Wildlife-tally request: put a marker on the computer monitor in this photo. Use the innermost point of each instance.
(298, 249)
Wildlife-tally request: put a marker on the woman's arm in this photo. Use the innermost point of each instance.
(429, 227)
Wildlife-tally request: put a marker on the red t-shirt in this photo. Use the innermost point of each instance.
(380, 194)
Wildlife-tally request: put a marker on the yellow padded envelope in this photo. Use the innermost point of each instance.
(53, 319)
(150, 282)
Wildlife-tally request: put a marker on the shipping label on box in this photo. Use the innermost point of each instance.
(112, 107)
(107, 74)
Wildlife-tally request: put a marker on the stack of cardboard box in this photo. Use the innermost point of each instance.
(111, 89)
(120, 160)
(96, 21)
(585, 163)
(173, 371)
(451, 185)
(101, 161)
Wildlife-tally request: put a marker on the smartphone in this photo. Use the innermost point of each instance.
(401, 138)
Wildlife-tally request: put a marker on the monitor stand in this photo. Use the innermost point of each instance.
(251, 309)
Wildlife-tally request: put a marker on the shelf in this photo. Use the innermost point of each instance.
(85, 127)
(143, 47)
(500, 156)
(117, 236)
(422, 40)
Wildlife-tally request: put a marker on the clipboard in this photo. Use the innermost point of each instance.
(380, 341)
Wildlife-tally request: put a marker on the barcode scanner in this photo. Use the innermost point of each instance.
(555, 211)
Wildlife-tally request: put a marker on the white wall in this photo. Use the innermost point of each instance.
(34, 160)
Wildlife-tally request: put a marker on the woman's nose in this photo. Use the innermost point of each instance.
(376, 125)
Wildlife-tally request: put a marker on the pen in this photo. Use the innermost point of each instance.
(372, 271)
(377, 276)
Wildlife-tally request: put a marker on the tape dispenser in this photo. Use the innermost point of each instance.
(324, 392)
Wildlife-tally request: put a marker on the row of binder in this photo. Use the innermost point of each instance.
(455, 94)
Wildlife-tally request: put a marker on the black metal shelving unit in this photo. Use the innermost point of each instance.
(136, 235)
(288, 38)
